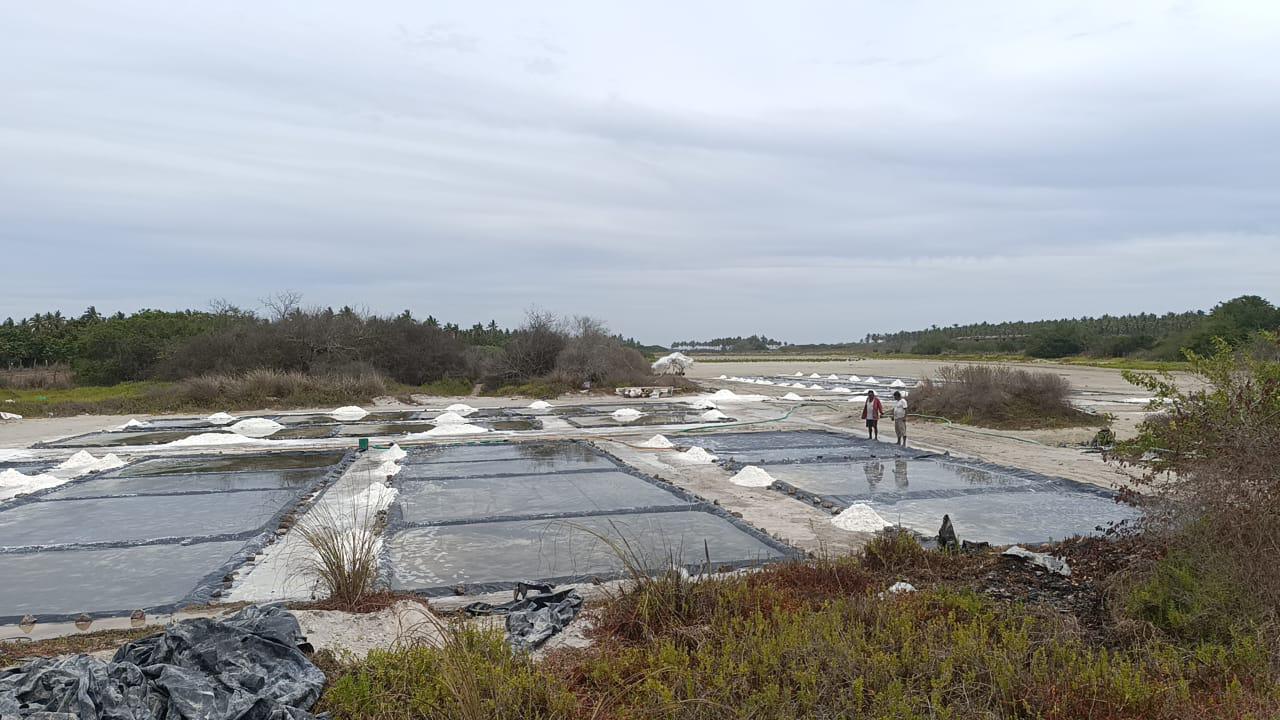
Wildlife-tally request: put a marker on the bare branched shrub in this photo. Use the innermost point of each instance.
(593, 355)
(998, 396)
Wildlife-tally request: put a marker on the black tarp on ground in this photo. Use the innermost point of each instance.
(247, 667)
(533, 619)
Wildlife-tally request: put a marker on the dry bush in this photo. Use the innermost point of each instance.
(593, 355)
(262, 386)
(52, 377)
(998, 396)
(345, 536)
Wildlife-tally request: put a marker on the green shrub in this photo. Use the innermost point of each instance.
(448, 387)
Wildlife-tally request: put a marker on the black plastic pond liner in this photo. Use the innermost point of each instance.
(247, 667)
(533, 619)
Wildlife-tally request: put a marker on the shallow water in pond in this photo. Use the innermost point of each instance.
(515, 466)
(890, 477)
(446, 499)
(499, 451)
(646, 419)
(423, 558)
(1003, 518)
(132, 519)
(103, 580)
(231, 463)
(370, 429)
(205, 482)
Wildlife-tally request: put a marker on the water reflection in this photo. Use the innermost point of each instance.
(875, 473)
(900, 474)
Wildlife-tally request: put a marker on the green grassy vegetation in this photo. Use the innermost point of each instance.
(819, 639)
(537, 389)
(448, 387)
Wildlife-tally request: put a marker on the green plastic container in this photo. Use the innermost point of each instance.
(364, 444)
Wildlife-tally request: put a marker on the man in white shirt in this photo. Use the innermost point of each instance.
(900, 417)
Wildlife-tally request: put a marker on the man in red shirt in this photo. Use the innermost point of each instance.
(871, 412)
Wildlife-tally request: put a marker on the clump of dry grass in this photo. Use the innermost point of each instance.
(51, 377)
(345, 539)
(997, 396)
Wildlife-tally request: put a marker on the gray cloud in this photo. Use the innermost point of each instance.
(812, 173)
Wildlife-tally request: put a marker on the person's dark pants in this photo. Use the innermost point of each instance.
(873, 429)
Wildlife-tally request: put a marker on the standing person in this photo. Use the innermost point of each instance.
(872, 411)
(900, 417)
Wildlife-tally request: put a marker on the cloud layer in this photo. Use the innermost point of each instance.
(811, 171)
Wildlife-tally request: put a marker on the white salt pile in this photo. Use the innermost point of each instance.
(539, 405)
(8, 416)
(799, 374)
(216, 438)
(792, 397)
(722, 377)
(860, 517)
(731, 396)
(394, 453)
(256, 427)
(833, 376)
(675, 363)
(752, 476)
(897, 383)
(815, 386)
(843, 390)
(696, 456)
(453, 429)
(449, 418)
(626, 414)
(657, 442)
(871, 381)
(766, 382)
(854, 378)
(8, 454)
(388, 468)
(84, 462)
(14, 483)
(801, 386)
(701, 404)
(134, 423)
(220, 418)
(712, 415)
(349, 412)
(814, 376)
(461, 408)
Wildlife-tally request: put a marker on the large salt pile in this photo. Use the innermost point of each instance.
(696, 456)
(897, 383)
(453, 429)
(349, 412)
(539, 405)
(449, 418)
(860, 517)
(256, 427)
(626, 414)
(792, 397)
(14, 483)
(394, 453)
(461, 408)
(220, 418)
(713, 415)
(752, 476)
(657, 442)
(216, 438)
(84, 462)
(134, 423)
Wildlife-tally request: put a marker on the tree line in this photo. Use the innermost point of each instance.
(170, 345)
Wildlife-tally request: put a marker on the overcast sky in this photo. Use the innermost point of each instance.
(813, 171)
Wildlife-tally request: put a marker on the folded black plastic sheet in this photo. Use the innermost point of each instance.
(533, 619)
(247, 667)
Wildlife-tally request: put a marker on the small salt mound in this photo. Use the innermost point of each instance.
(799, 374)
(658, 442)
(815, 386)
(724, 394)
(833, 376)
(7, 416)
(134, 423)
(766, 382)
(215, 438)
(84, 462)
(539, 405)
(731, 396)
(860, 517)
(814, 376)
(854, 378)
(792, 396)
(220, 418)
(446, 430)
(14, 483)
(712, 415)
(256, 427)
(394, 453)
(348, 412)
(800, 386)
(723, 377)
(752, 476)
(696, 456)
(387, 468)
(871, 381)
(449, 418)
(701, 404)
(843, 390)
(626, 414)
(461, 408)
(897, 383)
